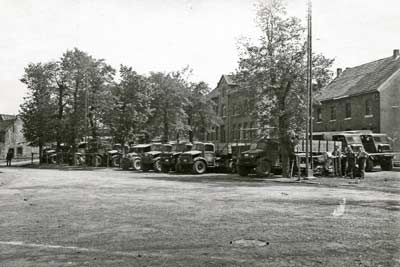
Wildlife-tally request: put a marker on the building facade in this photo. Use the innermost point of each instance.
(11, 137)
(236, 110)
(365, 97)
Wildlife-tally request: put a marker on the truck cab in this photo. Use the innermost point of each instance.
(151, 160)
(262, 158)
(380, 150)
(169, 159)
(135, 154)
(200, 158)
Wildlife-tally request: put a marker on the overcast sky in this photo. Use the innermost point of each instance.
(166, 35)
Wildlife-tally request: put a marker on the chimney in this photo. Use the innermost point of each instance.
(395, 53)
(338, 72)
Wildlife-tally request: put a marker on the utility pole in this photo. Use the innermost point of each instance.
(309, 159)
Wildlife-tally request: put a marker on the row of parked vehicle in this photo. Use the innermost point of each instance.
(179, 157)
(261, 157)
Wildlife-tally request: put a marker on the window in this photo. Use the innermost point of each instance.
(222, 110)
(232, 133)
(368, 107)
(333, 113)
(239, 127)
(2, 137)
(348, 110)
(319, 115)
(245, 130)
(19, 151)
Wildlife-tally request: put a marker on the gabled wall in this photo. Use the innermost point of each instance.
(390, 108)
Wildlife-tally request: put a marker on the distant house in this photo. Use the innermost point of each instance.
(365, 97)
(11, 137)
(236, 110)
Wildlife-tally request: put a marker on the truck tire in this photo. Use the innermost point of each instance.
(157, 166)
(243, 171)
(178, 168)
(145, 167)
(136, 165)
(53, 159)
(164, 168)
(387, 165)
(369, 165)
(115, 162)
(263, 168)
(97, 161)
(199, 167)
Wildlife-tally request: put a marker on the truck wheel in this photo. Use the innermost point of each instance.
(115, 162)
(157, 166)
(145, 167)
(97, 161)
(178, 168)
(136, 165)
(369, 165)
(232, 167)
(243, 171)
(263, 168)
(53, 159)
(386, 165)
(199, 167)
(164, 169)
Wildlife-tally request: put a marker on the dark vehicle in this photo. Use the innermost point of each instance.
(352, 138)
(201, 158)
(151, 160)
(169, 159)
(136, 153)
(379, 150)
(262, 158)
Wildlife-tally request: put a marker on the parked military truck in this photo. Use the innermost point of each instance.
(379, 149)
(263, 158)
(352, 138)
(169, 159)
(151, 160)
(136, 153)
(202, 157)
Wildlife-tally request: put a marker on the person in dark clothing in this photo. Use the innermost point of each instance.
(351, 162)
(362, 157)
(337, 155)
(9, 157)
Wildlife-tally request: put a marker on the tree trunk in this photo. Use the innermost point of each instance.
(285, 143)
(166, 127)
(59, 118)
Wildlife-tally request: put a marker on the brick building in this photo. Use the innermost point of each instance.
(365, 97)
(11, 137)
(236, 110)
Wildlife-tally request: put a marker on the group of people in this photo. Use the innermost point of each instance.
(349, 163)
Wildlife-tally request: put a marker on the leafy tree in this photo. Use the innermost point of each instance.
(37, 111)
(168, 99)
(130, 106)
(88, 81)
(199, 112)
(275, 71)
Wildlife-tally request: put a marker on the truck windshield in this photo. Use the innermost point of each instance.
(354, 139)
(166, 148)
(381, 139)
(179, 147)
(156, 147)
(198, 147)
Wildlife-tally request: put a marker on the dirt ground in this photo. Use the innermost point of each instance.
(108, 217)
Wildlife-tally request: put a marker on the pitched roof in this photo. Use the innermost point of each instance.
(7, 117)
(229, 79)
(5, 124)
(361, 79)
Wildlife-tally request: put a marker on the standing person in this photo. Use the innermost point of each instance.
(336, 154)
(351, 162)
(362, 157)
(9, 157)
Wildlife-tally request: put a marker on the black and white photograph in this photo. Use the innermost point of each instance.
(199, 133)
